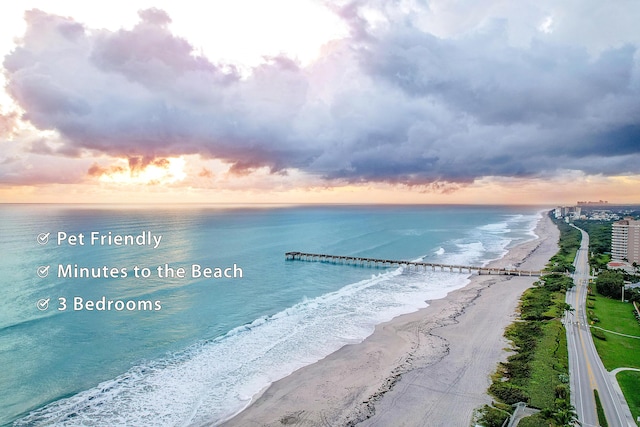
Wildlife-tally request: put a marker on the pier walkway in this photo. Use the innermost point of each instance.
(377, 262)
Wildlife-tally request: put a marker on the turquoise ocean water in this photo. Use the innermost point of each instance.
(215, 342)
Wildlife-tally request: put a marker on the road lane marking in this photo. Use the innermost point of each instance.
(580, 287)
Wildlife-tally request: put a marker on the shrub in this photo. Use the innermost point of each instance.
(597, 333)
(508, 393)
(561, 391)
(492, 417)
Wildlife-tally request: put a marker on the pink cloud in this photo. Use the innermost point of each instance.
(7, 123)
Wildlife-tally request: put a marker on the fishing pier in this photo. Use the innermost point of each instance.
(416, 265)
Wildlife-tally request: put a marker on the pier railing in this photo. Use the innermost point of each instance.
(379, 262)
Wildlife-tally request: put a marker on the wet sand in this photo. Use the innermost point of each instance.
(428, 368)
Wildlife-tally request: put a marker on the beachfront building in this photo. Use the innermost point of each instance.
(568, 212)
(625, 241)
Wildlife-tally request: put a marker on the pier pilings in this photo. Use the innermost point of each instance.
(380, 262)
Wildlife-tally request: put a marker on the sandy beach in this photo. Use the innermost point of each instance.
(428, 368)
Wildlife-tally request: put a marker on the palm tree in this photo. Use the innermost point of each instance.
(565, 415)
(567, 308)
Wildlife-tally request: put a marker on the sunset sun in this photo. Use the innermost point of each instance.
(165, 171)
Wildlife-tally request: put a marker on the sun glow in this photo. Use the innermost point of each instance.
(165, 171)
(244, 32)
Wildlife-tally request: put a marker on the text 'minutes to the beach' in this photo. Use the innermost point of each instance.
(142, 239)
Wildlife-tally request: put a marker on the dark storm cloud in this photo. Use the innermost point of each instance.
(498, 84)
(390, 103)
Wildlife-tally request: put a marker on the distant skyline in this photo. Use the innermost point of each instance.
(303, 101)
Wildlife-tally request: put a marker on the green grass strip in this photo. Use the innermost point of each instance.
(602, 420)
(616, 351)
(630, 384)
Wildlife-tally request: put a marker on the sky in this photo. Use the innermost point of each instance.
(310, 101)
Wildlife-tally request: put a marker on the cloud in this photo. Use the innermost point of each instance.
(393, 102)
(7, 123)
(97, 170)
(20, 168)
(205, 173)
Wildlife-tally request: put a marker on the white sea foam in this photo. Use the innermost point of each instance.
(212, 380)
(498, 227)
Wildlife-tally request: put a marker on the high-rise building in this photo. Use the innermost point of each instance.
(625, 241)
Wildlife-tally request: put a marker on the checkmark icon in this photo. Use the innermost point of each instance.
(43, 238)
(43, 304)
(43, 271)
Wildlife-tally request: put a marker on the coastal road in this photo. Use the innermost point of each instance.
(587, 373)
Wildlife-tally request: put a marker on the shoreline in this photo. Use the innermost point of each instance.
(406, 372)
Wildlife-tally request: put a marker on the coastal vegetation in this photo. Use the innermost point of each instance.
(569, 244)
(538, 370)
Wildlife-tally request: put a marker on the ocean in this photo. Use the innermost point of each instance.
(85, 339)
